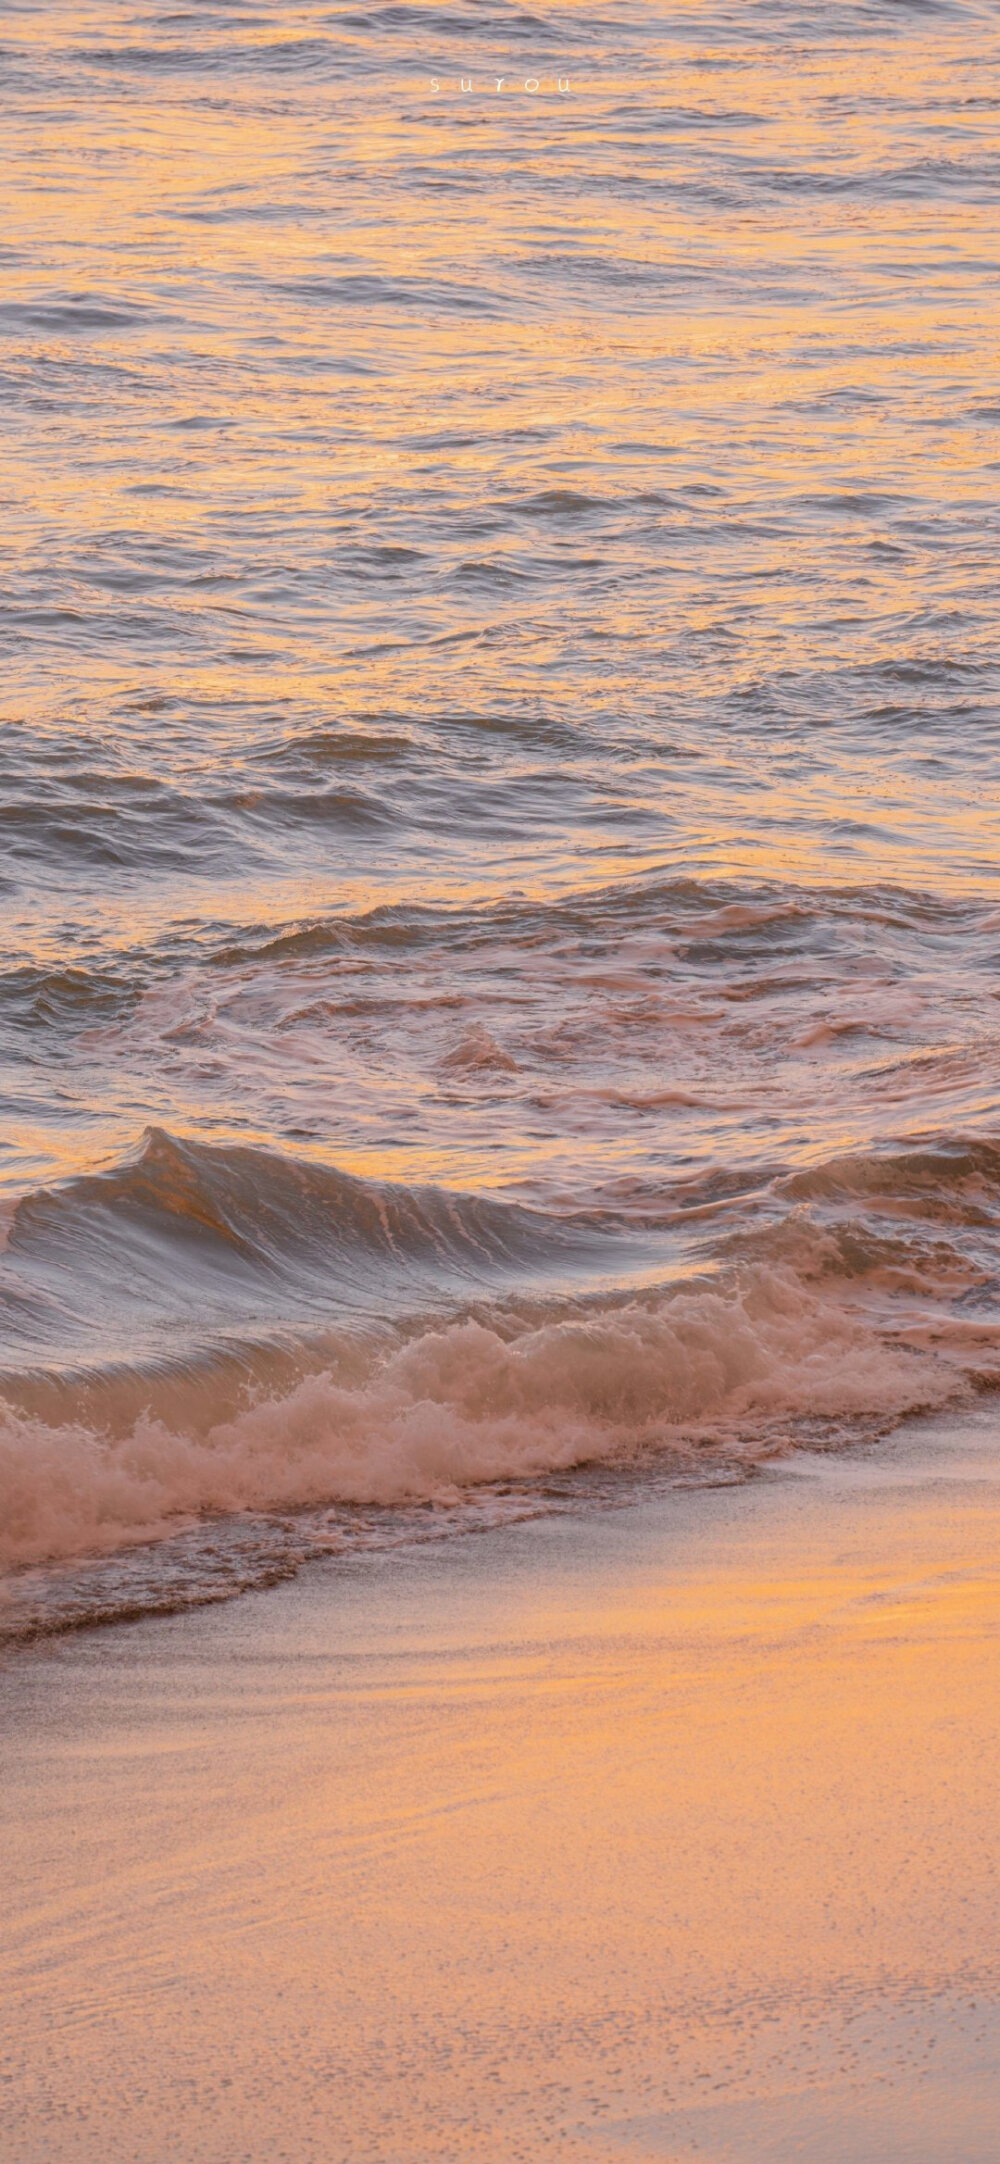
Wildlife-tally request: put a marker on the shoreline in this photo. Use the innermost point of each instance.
(665, 1831)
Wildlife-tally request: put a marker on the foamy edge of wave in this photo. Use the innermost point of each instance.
(466, 1403)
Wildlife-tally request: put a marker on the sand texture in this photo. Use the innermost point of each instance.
(666, 1832)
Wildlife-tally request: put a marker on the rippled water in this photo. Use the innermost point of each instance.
(499, 762)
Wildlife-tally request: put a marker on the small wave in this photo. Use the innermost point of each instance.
(72, 815)
(199, 1237)
(562, 503)
(956, 1179)
(476, 1051)
(351, 810)
(363, 289)
(318, 748)
(429, 20)
(713, 918)
(69, 999)
(75, 312)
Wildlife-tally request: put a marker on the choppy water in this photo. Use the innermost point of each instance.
(499, 762)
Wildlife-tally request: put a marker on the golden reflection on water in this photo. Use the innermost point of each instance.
(658, 415)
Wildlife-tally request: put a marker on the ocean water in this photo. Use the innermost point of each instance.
(500, 996)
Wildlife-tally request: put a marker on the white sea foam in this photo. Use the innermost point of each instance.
(468, 1402)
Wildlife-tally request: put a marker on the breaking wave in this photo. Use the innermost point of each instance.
(470, 1403)
(833, 1303)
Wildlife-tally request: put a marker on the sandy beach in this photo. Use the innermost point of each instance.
(666, 1832)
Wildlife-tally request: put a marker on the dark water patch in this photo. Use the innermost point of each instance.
(860, 503)
(490, 576)
(221, 56)
(462, 22)
(562, 503)
(354, 811)
(368, 290)
(115, 820)
(64, 999)
(319, 748)
(78, 313)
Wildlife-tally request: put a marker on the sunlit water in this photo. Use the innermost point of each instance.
(500, 714)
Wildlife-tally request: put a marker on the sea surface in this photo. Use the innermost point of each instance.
(500, 570)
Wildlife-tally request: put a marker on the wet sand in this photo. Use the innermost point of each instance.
(667, 1832)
